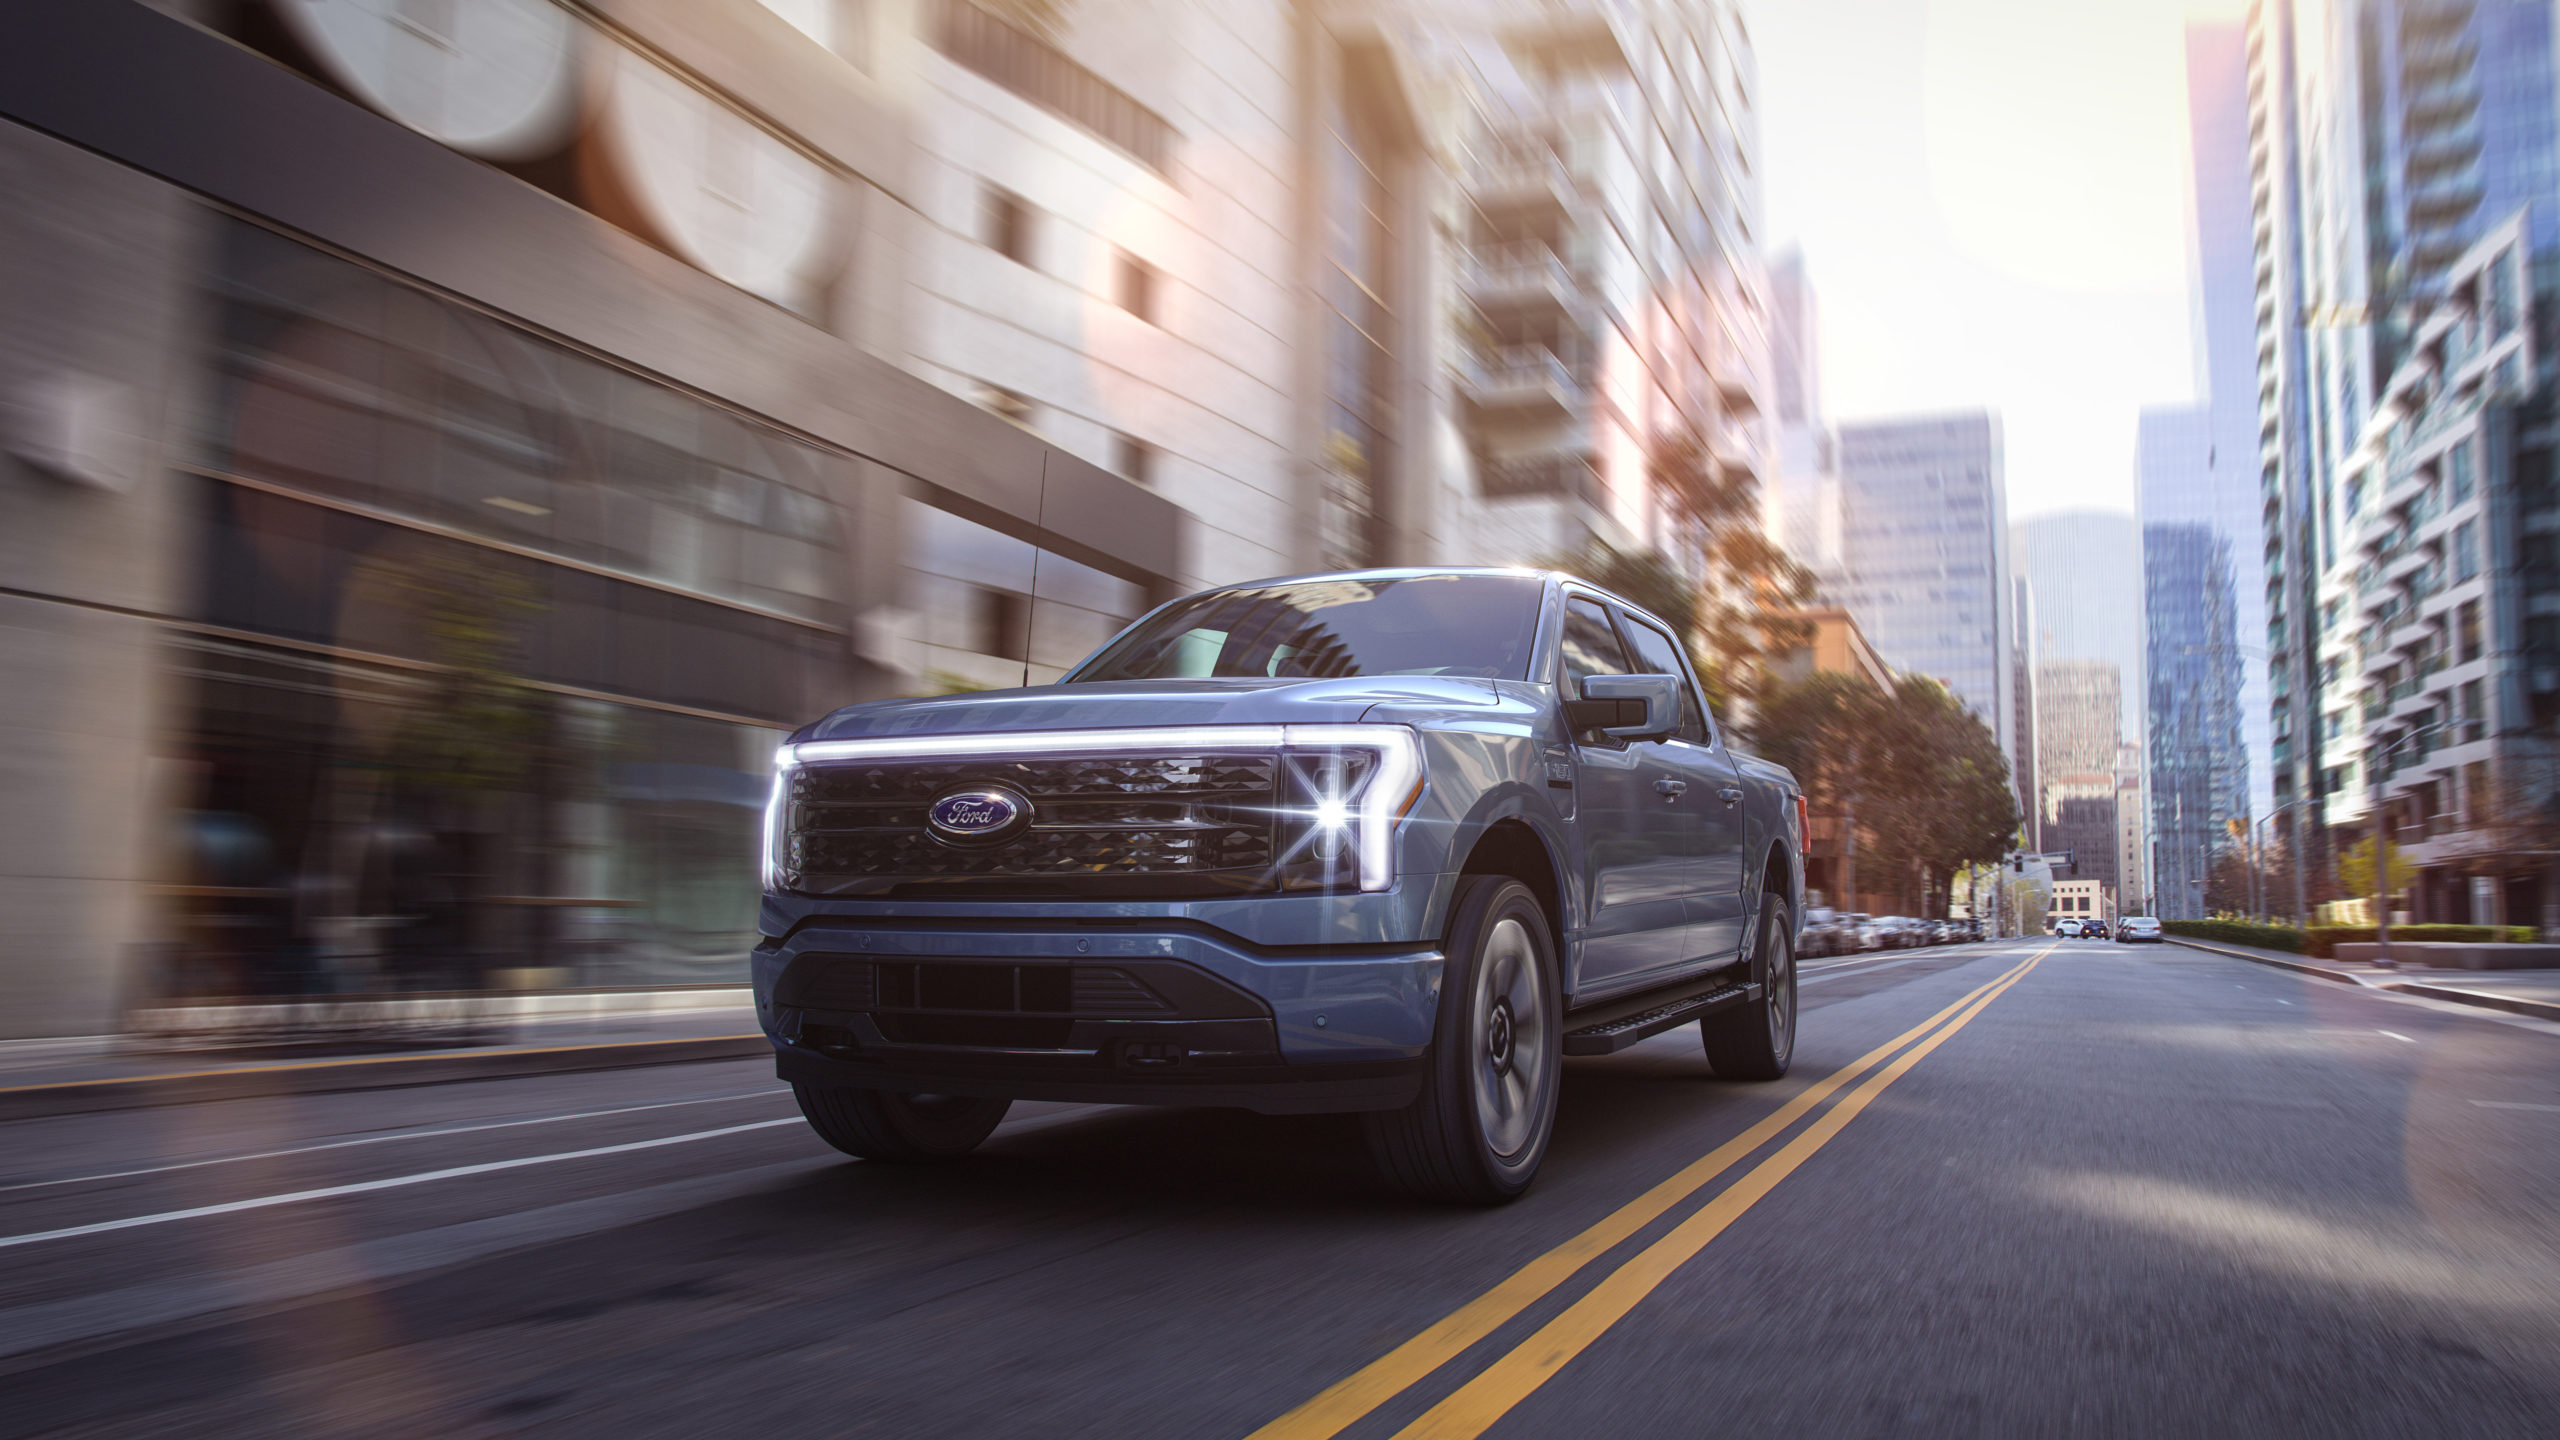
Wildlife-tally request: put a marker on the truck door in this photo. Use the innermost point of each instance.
(1633, 823)
(1714, 797)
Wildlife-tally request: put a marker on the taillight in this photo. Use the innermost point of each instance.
(1804, 825)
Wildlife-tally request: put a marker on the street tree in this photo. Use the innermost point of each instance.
(1920, 780)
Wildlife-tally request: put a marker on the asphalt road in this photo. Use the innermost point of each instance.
(2105, 1192)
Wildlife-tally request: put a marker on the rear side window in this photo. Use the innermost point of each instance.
(1657, 655)
(1590, 644)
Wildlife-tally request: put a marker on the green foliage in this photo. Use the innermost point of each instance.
(2355, 868)
(1653, 584)
(1752, 584)
(2324, 940)
(2239, 932)
(1924, 778)
(477, 727)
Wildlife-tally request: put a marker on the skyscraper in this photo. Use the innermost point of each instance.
(2387, 138)
(1925, 554)
(2084, 568)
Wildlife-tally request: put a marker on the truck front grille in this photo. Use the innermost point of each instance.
(1099, 824)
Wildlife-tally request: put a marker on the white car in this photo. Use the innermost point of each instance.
(2139, 929)
(2066, 929)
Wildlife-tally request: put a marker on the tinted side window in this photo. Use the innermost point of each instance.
(1590, 646)
(1657, 655)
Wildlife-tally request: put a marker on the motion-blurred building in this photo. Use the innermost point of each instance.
(1613, 291)
(2391, 145)
(2198, 502)
(1925, 554)
(2084, 569)
(449, 445)
(1804, 500)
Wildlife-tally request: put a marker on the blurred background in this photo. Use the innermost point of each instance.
(449, 442)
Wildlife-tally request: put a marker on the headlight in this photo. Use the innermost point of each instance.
(1343, 788)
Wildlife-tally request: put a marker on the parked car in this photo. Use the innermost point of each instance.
(2066, 929)
(2139, 930)
(1821, 933)
(1390, 841)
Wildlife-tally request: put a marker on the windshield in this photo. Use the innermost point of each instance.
(1474, 625)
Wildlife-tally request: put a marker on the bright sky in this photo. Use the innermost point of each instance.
(1992, 200)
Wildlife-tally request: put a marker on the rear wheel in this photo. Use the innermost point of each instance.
(887, 1125)
(1478, 1131)
(1754, 1041)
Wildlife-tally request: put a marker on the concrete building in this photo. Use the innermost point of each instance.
(2083, 899)
(1615, 291)
(447, 450)
(2387, 138)
(2448, 668)
(1925, 554)
(2078, 703)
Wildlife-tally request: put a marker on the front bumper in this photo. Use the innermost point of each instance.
(1053, 1010)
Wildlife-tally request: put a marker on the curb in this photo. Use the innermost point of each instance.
(2299, 966)
(2538, 1009)
(364, 1072)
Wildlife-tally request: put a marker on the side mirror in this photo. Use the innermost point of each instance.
(1626, 707)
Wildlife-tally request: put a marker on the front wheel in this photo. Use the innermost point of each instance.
(886, 1125)
(1479, 1129)
(1755, 1040)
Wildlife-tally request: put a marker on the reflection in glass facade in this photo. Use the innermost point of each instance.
(489, 649)
(2199, 770)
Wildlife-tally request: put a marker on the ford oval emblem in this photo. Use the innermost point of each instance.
(986, 813)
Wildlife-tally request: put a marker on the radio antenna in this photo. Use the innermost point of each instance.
(1031, 602)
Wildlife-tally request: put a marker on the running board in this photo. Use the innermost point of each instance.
(1617, 1035)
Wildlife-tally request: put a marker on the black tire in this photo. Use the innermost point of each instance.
(1479, 1130)
(886, 1125)
(1756, 1040)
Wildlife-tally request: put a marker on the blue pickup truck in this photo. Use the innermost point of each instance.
(1391, 841)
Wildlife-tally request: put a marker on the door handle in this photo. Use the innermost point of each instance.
(1730, 794)
(1671, 789)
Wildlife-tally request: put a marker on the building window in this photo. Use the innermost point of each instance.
(1013, 405)
(1001, 624)
(2458, 461)
(1006, 222)
(2466, 551)
(2468, 623)
(1135, 287)
(1358, 239)
(1134, 459)
(1042, 74)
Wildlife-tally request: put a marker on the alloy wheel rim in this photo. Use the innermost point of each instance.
(1509, 1061)
(1782, 996)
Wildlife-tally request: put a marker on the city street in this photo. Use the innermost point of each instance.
(2026, 1187)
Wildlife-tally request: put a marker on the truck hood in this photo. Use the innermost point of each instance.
(1123, 704)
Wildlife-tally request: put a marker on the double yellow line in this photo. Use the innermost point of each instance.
(1476, 1405)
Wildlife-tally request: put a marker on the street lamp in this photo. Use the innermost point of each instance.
(2301, 914)
(2381, 777)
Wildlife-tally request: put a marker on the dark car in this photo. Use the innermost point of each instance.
(2093, 929)
(1390, 841)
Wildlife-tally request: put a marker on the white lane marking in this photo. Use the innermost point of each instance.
(383, 1140)
(2394, 1034)
(2284, 1002)
(394, 1182)
(2516, 1105)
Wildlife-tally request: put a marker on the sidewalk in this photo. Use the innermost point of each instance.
(2519, 992)
(75, 1076)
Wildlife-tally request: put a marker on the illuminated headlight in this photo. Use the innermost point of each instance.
(777, 816)
(1343, 788)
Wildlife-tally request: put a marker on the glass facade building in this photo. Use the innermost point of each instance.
(1925, 547)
